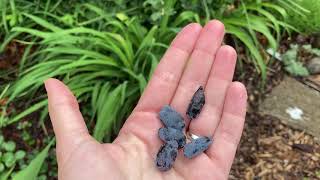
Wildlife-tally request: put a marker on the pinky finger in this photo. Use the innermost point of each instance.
(227, 135)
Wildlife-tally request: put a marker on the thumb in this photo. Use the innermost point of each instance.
(68, 124)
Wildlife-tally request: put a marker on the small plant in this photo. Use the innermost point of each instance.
(309, 49)
(10, 156)
(31, 172)
(25, 126)
(291, 62)
(49, 166)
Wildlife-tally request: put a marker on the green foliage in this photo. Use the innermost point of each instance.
(292, 64)
(308, 22)
(9, 146)
(122, 56)
(6, 174)
(9, 157)
(311, 50)
(24, 127)
(32, 170)
(49, 166)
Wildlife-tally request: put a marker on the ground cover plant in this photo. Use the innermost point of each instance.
(105, 51)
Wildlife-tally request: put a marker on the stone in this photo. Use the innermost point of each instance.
(295, 104)
(313, 66)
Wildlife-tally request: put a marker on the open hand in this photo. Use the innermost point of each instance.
(194, 58)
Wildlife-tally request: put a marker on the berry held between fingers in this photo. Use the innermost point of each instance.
(166, 156)
(196, 104)
(170, 134)
(171, 118)
(196, 147)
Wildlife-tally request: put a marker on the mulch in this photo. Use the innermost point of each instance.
(272, 150)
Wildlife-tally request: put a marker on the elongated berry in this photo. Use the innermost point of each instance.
(196, 103)
(166, 156)
(171, 118)
(196, 147)
(170, 134)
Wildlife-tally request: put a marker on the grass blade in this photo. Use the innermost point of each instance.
(107, 114)
(32, 170)
(246, 39)
(28, 111)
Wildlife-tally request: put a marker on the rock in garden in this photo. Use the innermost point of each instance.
(166, 156)
(196, 147)
(313, 66)
(196, 104)
(295, 104)
(170, 134)
(171, 118)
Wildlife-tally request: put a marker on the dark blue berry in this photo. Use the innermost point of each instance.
(171, 118)
(196, 147)
(166, 156)
(196, 104)
(170, 134)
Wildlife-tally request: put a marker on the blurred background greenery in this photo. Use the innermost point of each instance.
(106, 51)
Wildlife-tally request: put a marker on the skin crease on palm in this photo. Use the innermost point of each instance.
(195, 57)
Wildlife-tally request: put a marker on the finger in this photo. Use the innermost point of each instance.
(215, 91)
(164, 82)
(199, 66)
(228, 133)
(68, 124)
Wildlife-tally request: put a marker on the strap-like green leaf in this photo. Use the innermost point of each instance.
(246, 39)
(32, 170)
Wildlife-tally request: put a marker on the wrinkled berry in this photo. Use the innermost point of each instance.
(196, 104)
(171, 118)
(166, 156)
(170, 134)
(196, 147)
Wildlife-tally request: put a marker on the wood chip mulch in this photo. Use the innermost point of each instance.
(271, 150)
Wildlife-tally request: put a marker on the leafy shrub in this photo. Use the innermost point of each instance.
(308, 22)
(108, 75)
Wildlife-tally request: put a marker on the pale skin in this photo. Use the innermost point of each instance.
(195, 57)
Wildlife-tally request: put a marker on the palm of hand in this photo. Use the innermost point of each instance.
(132, 154)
